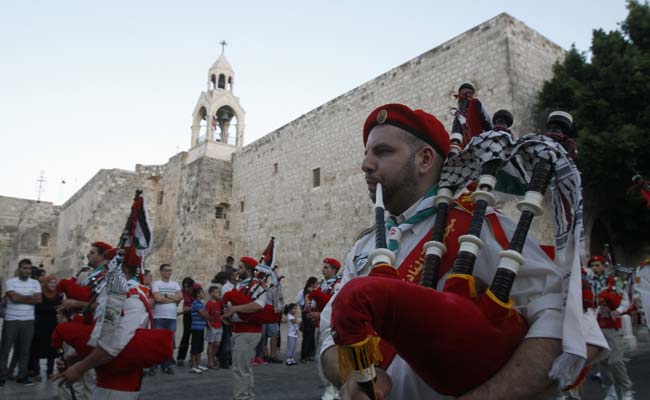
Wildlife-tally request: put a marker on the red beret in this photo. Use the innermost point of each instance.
(333, 262)
(423, 125)
(102, 246)
(601, 259)
(110, 253)
(249, 261)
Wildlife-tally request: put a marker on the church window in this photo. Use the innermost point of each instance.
(226, 225)
(241, 206)
(230, 83)
(218, 212)
(161, 195)
(275, 168)
(316, 177)
(213, 80)
(222, 81)
(45, 239)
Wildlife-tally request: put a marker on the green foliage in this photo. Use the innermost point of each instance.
(609, 98)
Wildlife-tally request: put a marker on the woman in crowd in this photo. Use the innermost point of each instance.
(188, 298)
(308, 346)
(44, 323)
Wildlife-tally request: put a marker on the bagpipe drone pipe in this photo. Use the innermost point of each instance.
(457, 338)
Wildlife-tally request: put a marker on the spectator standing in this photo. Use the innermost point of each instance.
(166, 294)
(44, 323)
(293, 331)
(308, 346)
(230, 263)
(186, 291)
(214, 330)
(199, 318)
(18, 327)
(225, 351)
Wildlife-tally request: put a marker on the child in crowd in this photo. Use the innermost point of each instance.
(214, 330)
(199, 316)
(293, 321)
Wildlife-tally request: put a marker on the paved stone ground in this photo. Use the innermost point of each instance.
(279, 382)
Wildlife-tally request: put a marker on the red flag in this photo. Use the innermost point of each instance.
(268, 256)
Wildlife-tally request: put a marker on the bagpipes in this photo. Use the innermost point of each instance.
(147, 347)
(264, 270)
(322, 297)
(457, 338)
(467, 122)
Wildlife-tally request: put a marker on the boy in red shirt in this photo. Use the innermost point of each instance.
(214, 330)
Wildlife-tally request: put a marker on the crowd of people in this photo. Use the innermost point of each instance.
(96, 315)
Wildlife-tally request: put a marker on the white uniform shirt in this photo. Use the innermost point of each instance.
(536, 293)
(134, 315)
(21, 311)
(166, 310)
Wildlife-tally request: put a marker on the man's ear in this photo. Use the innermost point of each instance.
(426, 159)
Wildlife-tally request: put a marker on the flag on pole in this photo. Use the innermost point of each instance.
(139, 236)
(268, 257)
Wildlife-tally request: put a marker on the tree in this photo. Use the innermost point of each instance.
(609, 98)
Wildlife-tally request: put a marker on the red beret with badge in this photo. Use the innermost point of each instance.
(421, 124)
(332, 262)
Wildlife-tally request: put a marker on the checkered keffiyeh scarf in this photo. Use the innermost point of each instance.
(521, 156)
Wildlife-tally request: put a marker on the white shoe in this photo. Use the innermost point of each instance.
(196, 370)
(611, 393)
(202, 368)
(331, 393)
(627, 395)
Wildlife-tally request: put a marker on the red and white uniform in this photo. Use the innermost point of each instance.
(134, 315)
(537, 290)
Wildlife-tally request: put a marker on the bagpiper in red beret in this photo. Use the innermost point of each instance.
(600, 259)
(101, 246)
(423, 125)
(249, 262)
(333, 262)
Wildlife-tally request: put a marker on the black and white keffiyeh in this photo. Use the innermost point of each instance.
(519, 158)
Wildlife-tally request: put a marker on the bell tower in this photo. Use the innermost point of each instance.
(218, 118)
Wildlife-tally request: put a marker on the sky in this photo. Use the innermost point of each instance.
(88, 85)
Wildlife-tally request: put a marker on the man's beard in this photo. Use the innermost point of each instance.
(243, 276)
(404, 182)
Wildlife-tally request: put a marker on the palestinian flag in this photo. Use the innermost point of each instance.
(140, 230)
(268, 257)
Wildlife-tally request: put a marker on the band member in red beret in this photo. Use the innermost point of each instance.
(246, 299)
(404, 151)
(116, 338)
(613, 301)
(319, 299)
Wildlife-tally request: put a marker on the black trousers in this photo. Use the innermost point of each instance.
(225, 356)
(185, 339)
(308, 346)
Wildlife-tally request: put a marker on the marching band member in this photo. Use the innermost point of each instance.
(319, 299)
(613, 301)
(245, 335)
(405, 150)
(134, 314)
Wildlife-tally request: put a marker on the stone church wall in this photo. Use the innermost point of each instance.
(28, 229)
(315, 222)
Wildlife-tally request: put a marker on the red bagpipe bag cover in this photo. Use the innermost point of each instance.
(147, 347)
(321, 298)
(73, 290)
(453, 339)
(267, 315)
